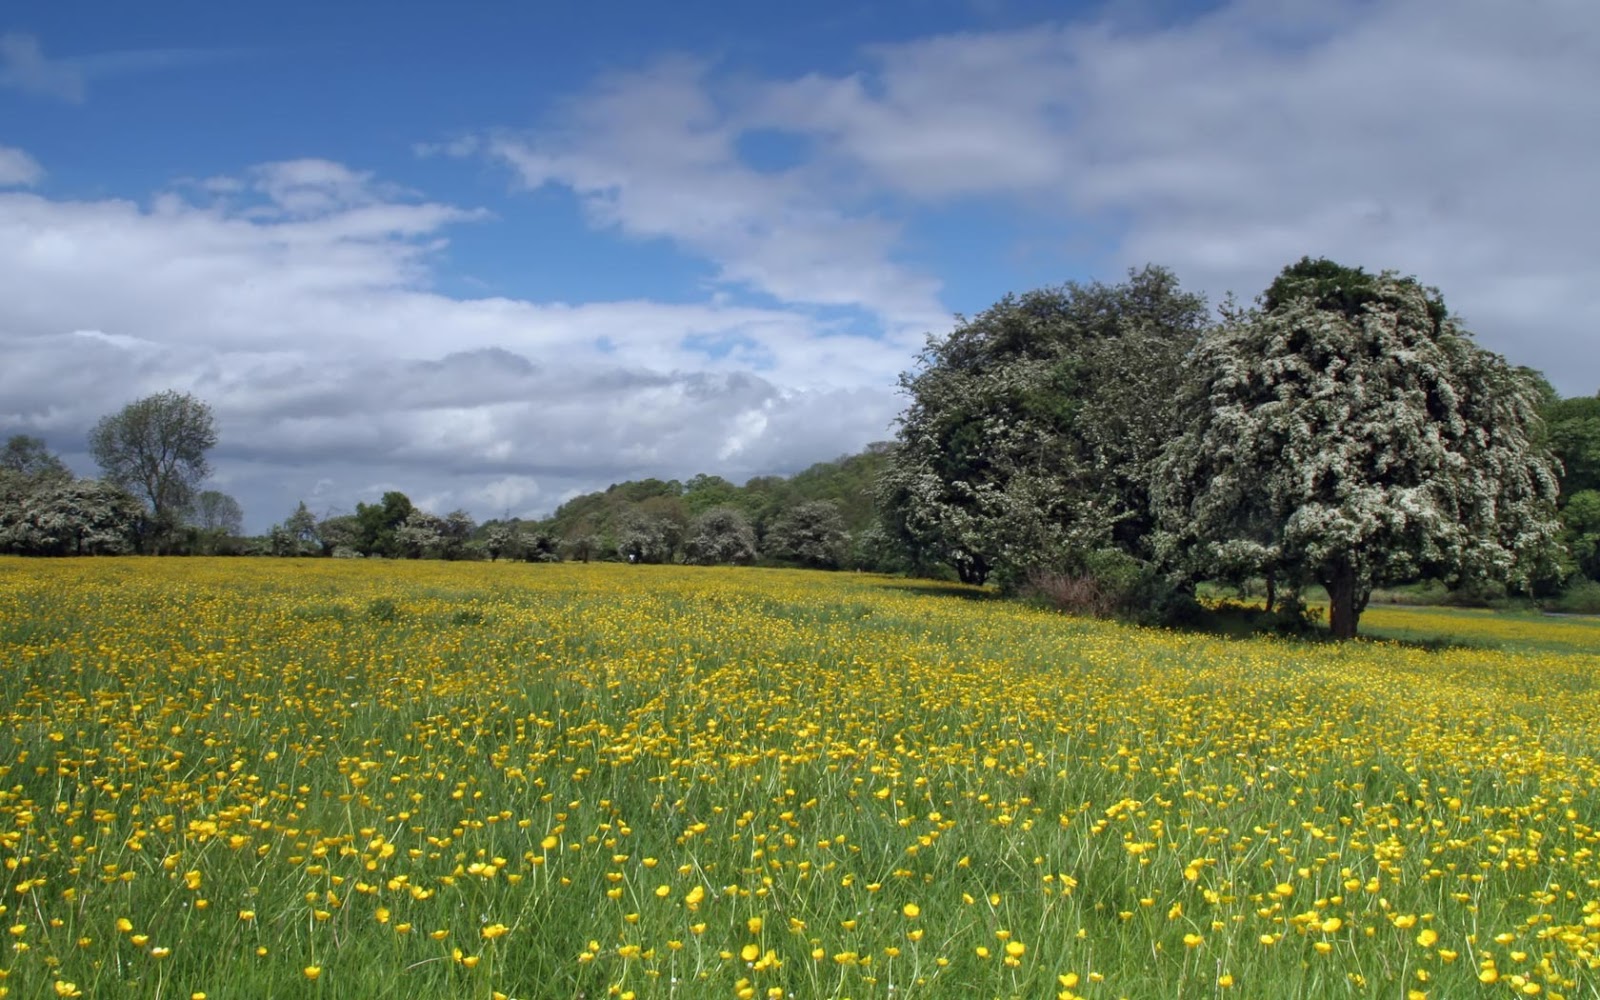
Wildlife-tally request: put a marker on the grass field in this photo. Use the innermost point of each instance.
(270, 778)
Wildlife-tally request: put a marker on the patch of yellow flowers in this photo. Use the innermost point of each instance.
(253, 777)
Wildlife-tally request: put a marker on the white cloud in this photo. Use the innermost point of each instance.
(653, 154)
(1452, 141)
(18, 169)
(332, 365)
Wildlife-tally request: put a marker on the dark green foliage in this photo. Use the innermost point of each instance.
(1336, 288)
(378, 524)
(1573, 426)
(1580, 521)
(1033, 428)
(1581, 598)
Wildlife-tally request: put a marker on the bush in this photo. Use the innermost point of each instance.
(1293, 617)
(1108, 583)
(1476, 594)
(1582, 598)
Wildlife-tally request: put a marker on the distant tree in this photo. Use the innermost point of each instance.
(297, 535)
(582, 547)
(1574, 429)
(720, 535)
(422, 534)
(302, 527)
(455, 529)
(1350, 433)
(379, 522)
(500, 540)
(647, 538)
(156, 449)
(1580, 519)
(217, 512)
(811, 534)
(703, 492)
(281, 542)
(339, 534)
(538, 545)
(29, 457)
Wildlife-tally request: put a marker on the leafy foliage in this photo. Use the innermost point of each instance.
(1352, 434)
(61, 516)
(1033, 428)
(156, 449)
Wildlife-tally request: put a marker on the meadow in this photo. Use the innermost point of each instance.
(287, 778)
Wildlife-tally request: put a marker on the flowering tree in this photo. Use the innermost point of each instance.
(1349, 432)
(720, 535)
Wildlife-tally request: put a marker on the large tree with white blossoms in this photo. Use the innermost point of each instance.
(1349, 432)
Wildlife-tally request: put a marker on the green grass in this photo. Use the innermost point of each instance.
(642, 773)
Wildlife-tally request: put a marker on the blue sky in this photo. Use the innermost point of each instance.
(492, 254)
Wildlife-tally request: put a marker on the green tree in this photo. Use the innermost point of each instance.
(1580, 520)
(156, 449)
(339, 534)
(378, 523)
(216, 512)
(1033, 428)
(1574, 429)
(1349, 432)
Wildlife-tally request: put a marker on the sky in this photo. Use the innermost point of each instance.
(497, 254)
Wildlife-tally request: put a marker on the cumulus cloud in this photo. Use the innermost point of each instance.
(1448, 141)
(1452, 142)
(653, 154)
(297, 301)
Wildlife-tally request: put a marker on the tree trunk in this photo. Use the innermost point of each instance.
(972, 570)
(1272, 590)
(1344, 604)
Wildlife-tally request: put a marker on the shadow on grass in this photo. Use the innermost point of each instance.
(1248, 623)
(1228, 622)
(934, 589)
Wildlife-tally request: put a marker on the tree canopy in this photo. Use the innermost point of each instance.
(1031, 430)
(156, 448)
(1349, 432)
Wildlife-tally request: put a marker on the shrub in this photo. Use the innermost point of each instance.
(1110, 583)
(1582, 598)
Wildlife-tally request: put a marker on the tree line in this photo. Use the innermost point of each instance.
(1109, 446)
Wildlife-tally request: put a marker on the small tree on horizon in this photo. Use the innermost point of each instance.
(156, 449)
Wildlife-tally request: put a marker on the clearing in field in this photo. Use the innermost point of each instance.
(282, 779)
